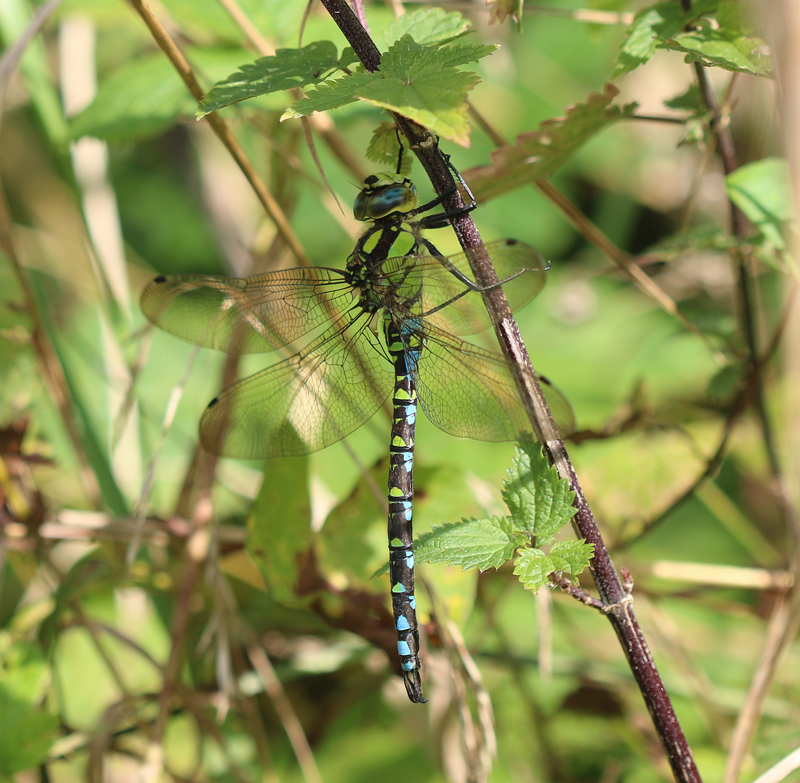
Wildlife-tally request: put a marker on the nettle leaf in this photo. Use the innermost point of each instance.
(419, 82)
(724, 48)
(713, 33)
(538, 154)
(571, 557)
(539, 501)
(330, 95)
(471, 543)
(285, 70)
(762, 190)
(384, 147)
(533, 566)
(650, 28)
(428, 26)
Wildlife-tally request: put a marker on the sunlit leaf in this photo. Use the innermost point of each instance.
(26, 730)
(428, 26)
(471, 543)
(537, 154)
(539, 501)
(285, 70)
(419, 82)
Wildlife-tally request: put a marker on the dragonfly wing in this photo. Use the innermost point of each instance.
(304, 403)
(246, 315)
(439, 287)
(470, 392)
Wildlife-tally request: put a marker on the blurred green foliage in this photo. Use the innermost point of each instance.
(138, 636)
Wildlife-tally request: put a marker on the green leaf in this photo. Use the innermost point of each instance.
(140, 100)
(146, 96)
(539, 501)
(330, 95)
(538, 154)
(26, 731)
(532, 567)
(713, 33)
(384, 146)
(435, 101)
(419, 82)
(650, 27)
(571, 557)
(428, 26)
(279, 528)
(690, 101)
(343, 545)
(723, 48)
(471, 543)
(762, 190)
(285, 70)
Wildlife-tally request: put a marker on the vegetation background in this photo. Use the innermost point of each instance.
(140, 638)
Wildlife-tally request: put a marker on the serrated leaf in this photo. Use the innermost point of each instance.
(539, 501)
(650, 27)
(712, 32)
(719, 47)
(140, 100)
(571, 557)
(428, 26)
(285, 70)
(279, 527)
(762, 190)
(419, 82)
(384, 147)
(538, 154)
(532, 567)
(330, 95)
(470, 543)
(433, 100)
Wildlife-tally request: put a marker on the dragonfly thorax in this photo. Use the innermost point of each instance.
(384, 195)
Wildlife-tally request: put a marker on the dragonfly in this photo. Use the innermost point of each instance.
(385, 326)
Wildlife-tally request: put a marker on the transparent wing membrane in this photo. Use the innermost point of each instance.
(304, 403)
(246, 315)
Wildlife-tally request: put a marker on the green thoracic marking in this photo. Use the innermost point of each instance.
(398, 588)
(395, 542)
(396, 492)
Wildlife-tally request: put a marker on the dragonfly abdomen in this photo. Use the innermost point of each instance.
(401, 494)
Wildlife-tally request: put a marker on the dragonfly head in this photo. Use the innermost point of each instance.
(383, 195)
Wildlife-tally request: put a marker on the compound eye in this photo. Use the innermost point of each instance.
(376, 201)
